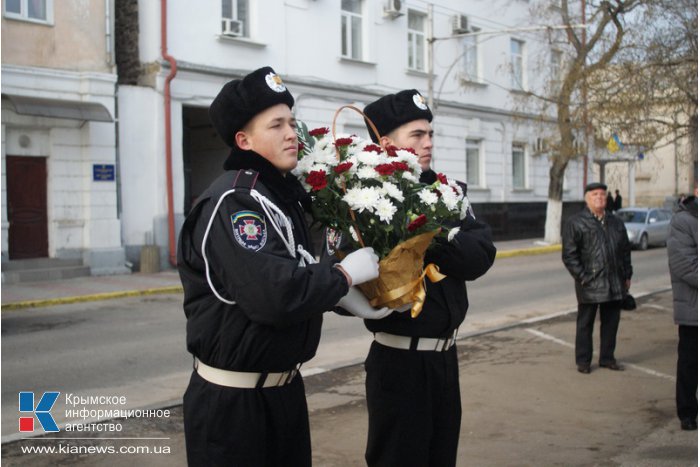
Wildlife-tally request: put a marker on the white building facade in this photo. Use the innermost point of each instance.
(333, 53)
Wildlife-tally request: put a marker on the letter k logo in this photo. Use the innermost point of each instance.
(42, 411)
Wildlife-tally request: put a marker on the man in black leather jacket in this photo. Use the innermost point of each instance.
(412, 384)
(596, 251)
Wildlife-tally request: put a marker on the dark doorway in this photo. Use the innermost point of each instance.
(26, 207)
(203, 153)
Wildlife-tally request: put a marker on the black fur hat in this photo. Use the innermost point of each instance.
(393, 110)
(242, 99)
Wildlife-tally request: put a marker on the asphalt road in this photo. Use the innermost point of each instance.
(134, 347)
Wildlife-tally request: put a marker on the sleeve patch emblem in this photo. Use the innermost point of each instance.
(249, 229)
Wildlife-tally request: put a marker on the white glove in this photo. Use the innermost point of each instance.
(361, 265)
(356, 303)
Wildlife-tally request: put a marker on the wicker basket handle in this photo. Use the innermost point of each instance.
(337, 155)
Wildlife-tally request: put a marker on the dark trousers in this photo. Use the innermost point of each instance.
(687, 373)
(609, 321)
(414, 407)
(246, 427)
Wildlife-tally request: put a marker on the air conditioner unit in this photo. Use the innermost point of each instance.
(541, 145)
(393, 9)
(460, 24)
(232, 27)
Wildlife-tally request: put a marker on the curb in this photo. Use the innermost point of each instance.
(178, 288)
(90, 298)
(538, 250)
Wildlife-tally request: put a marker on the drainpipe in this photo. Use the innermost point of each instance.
(168, 130)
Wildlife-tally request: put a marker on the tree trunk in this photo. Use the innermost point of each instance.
(552, 225)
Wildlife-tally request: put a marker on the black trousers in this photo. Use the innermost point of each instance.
(414, 407)
(687, 373)
(609, 321)
(246, 427)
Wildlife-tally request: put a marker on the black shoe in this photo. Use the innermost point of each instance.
(585, 369)
(612, 366)
(688, 424)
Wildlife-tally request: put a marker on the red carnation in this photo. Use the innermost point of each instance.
(443, 178)
(400, 166)
(342, 167)
(385, 169)
(411, 150)
(343, 142)
(373, 148)
(417, 223)
(317, 180)
(319, 131)
(391, 150)
(300, 147)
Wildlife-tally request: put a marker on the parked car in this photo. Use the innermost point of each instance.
(646, 226)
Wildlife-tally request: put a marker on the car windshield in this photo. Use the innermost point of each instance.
(632, 216)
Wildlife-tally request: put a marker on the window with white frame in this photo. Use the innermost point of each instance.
(351, 29)
(40, 11)
(473, 162)
(416, 40)
(519, 165)
(517, 60)
(235, 18)
(470, 58)
(555, 67)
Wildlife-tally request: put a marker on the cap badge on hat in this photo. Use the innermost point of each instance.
(420, 101)
(275, 82)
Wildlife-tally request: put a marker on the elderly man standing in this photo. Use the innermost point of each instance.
(683, 263)
(596, 251)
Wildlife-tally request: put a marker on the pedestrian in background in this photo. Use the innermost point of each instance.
(618, 201)
(596, 252)
(254, 294)
(682, 247)
(412, 381)
(609, 203)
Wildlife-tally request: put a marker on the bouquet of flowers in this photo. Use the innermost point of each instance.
(375, 197)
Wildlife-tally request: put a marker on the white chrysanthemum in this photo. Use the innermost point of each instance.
(370, 158)
(428, 197)
(366, 172)
(360, 199)
(448, 197)
(393, 191)
(451, 234)
(409, 158)
(410, 177)
(456, 186)
(385, 209)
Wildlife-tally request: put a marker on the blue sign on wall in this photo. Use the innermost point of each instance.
(102, 172)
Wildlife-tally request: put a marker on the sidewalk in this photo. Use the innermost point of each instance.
(80, 289)
(523, 404)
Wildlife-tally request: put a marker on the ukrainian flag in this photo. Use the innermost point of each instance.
(614, 144)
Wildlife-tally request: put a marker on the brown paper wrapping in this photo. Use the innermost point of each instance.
(402, 266)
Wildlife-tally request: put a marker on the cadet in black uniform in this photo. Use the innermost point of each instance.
(412, 382)
(254, 294)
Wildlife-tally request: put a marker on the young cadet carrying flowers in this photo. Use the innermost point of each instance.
(254, 294)
(412, 381)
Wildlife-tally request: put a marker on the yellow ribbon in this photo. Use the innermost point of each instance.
(416, 287)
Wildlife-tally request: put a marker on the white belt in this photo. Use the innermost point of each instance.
(415, 343)
(242, 379)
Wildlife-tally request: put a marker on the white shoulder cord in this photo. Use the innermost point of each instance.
(288, 239)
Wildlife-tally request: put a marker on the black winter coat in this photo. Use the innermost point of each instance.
(597, 256)
(276, 320)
